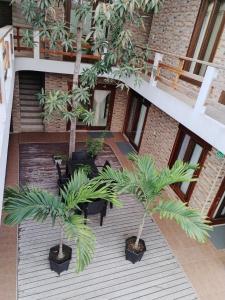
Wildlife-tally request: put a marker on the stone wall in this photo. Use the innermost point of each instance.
(56, 82)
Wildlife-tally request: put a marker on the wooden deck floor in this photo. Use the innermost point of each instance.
(109, 276)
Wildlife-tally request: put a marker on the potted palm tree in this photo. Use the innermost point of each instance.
(37, 204)
(146, 183)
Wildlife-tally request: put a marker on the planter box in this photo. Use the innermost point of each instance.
(132, 255)
(60, 265)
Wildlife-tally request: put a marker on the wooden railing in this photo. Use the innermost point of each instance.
(178, 71)
(45, 49)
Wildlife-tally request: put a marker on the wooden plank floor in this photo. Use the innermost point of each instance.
(109, 276)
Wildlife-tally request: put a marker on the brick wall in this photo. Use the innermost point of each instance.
(159, 136)
(16, 106)
(158, 140)
(208, 183)
(56, 82)
(119, 110)
(172, 27)
(171, 31)
(140, 34)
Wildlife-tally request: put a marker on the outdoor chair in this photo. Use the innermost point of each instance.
(106, 164)
(63, 179)
(96, 207)
(80, 156)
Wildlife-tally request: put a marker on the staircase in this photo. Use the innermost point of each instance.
(30, 84)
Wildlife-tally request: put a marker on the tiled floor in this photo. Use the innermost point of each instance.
(204, 265)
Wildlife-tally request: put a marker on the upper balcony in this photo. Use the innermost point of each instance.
(196, 102)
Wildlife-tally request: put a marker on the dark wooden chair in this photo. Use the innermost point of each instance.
(62, 179)
(96, 207)
(80, 156)
(106, 164)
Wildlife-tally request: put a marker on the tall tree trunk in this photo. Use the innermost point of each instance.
(72, 142)
(61, 254)
(140, 231)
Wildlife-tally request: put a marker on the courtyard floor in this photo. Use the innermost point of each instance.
(157, 276)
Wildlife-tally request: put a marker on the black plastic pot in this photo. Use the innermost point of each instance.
(60, 265)
(132, 255)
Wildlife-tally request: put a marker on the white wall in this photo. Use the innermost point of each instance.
(7, 87)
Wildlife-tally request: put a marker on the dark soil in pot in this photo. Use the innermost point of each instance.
(63, 264)
(132, 254)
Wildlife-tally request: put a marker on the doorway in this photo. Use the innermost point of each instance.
(101, 103)
(5, 13)
(135, 119)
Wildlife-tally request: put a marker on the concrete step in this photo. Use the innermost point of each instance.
(32, 128)
(29, 97)
(29, 92)
(31, 121)
(29, 103)
(30, 86)
(31, 109)
(31, 114)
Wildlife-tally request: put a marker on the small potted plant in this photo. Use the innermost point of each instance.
(146, 183)
(59, 158)
(94, 146)
(37, 204)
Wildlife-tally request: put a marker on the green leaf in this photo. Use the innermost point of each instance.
(190, 220)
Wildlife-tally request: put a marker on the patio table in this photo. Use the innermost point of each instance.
(74, 165)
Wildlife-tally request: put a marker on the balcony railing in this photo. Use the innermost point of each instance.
(166, 70)
(44, 50)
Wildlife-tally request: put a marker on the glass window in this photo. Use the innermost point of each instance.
(220, 212)
(188, 148)
(206, 34)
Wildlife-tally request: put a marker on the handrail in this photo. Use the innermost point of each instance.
(186, 58)
(5, 33)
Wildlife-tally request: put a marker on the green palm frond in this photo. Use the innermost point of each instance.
(190, 220)
(85, 241)
(180, 172)
(80, 190)
(30, 203)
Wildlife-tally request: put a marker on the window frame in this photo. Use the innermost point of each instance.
(142, 101)
(216, 202)
(194, 139)
(195, 36)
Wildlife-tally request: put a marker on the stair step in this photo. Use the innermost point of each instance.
(32, 128)
(29, 97)
(31, 114)
(30, 86)
(31, 121)
(31, 109)
(28, 92)
(29, 103)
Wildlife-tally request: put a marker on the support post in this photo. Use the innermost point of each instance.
(155, 67)
(210, 75)
(36, 44)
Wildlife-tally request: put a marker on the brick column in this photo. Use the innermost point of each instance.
(56, 82)
(119, 110)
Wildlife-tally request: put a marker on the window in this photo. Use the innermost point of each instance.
(208, 28)
(188, 148)
(217, 210)
(136, 115)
